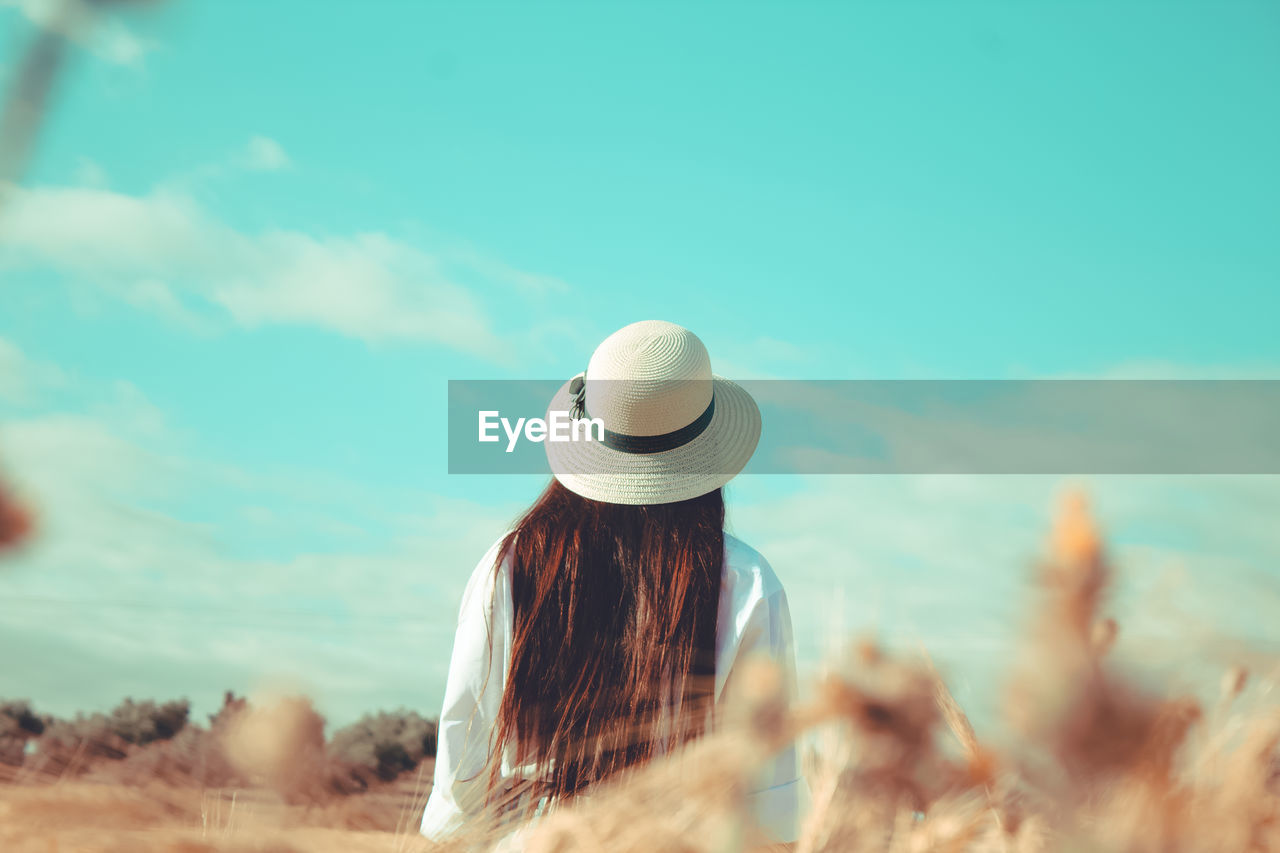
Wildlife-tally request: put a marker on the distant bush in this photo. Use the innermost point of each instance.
(140, 723)
(17, 718)
(70, 746)
(194, 757)
(384, 745)
(18, 724)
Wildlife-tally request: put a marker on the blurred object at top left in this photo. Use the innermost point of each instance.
(26, 102)
(15, 521)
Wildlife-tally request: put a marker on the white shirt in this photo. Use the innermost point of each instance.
(753, 620)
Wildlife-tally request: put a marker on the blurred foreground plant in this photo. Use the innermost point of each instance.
(15, 520)
(27, 101)
(1089, 758)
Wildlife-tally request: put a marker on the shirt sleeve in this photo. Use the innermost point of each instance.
(472, 696)
(779, 791)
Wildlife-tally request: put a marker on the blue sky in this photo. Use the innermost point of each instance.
(258, 239)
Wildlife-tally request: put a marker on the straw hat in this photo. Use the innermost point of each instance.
(672, 429)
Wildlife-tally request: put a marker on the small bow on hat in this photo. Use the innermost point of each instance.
(578, 394)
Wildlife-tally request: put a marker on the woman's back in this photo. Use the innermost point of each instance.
(753, 620)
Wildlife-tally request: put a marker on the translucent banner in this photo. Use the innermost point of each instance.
(903, 427)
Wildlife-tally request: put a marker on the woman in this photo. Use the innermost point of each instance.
(606, 627)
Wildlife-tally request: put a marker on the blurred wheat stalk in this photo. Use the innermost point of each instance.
(1088, 759)
(27, 101)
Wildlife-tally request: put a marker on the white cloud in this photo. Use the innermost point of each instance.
(162, 251)
(91, 174)
(22, 378)
(109, 40)
(154, 600)
(949, 562)
(367, 286)
(158, 298)
(265, 155)
(118, 45)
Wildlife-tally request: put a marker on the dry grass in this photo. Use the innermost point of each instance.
(1089, 758)
(104, 818)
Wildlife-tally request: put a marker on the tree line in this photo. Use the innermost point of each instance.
(141, 741)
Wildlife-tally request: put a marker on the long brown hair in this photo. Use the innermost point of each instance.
(614, 632)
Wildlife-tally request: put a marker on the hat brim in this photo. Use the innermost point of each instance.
(598, 472)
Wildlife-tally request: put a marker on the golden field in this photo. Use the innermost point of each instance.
(1090, 756)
